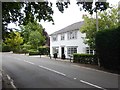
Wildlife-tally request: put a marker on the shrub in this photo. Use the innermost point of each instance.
(33, 52)
(24, 50)
(6, 48)
(26, 46)
(85, 58)
(108, 48)
(44, 50)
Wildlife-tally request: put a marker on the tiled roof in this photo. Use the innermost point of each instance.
(71, 27)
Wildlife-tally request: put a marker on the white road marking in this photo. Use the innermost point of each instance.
(29, 62)
(11, 82)
(8, 77)
(52, 70)
(92, 84)
(75, 78)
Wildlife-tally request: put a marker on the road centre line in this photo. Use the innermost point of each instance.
(74, 78)
(52, 70)
(92, 84)
(47, 68)
(29, 62)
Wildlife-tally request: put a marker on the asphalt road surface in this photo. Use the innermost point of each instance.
(36, 72)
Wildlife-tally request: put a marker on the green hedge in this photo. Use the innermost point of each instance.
(21, 51)
(85, 58)
(108, 48)
(34, 53)
(44, 50)
(6, 48)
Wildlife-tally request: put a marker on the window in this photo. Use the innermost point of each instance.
(89, 50)
(72, 35)
(63, 36)
(54, 38)
(71, 50)
(55, 49)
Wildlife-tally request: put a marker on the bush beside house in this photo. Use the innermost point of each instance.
(85, 58)
(44, 50)
(108, 48)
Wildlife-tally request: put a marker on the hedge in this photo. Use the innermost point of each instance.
(34, 53)
(85, 58)
(108, 48)
(6, 48)
(21, 51)
(44, 50)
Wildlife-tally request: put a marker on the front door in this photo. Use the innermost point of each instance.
(62, 50)
(62, 53)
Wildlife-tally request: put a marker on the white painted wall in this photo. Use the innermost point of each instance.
(73, 42)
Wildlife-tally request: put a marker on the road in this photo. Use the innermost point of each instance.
(35, 72)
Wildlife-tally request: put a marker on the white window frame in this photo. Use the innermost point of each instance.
(54, 38)
(55, 50)
(71, 50)
(63, 36)
(72, 35)
(88, 50)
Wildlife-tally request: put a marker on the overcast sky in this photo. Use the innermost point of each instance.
(70, 16)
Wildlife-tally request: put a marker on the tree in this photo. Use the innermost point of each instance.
(34, 34)
(36, 39)
(107, 20)
(108, 48)
(24, 12)
(14, 40)
(87, 5)
(27, 29)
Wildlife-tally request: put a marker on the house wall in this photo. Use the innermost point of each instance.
(72, 42)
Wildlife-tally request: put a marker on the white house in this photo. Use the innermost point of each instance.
(69, 40)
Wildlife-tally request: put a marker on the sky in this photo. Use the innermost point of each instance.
(71, 15)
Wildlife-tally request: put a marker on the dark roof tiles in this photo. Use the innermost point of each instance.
(74, 26)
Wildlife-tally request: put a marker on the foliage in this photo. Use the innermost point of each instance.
(5, 48)
(86, 5)
(44, 50)
(34, 34)
(107, 19)
(27, 29)
(36, 39)
(85, 58)
(25, 12)
(33, 52)
(108, 48)
(14, 40)
(26, 46)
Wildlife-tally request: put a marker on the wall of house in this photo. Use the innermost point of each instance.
(64, 43)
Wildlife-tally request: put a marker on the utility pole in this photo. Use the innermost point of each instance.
(96, 21)
(97, 28)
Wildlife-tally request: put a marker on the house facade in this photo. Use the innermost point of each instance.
(69, 40)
